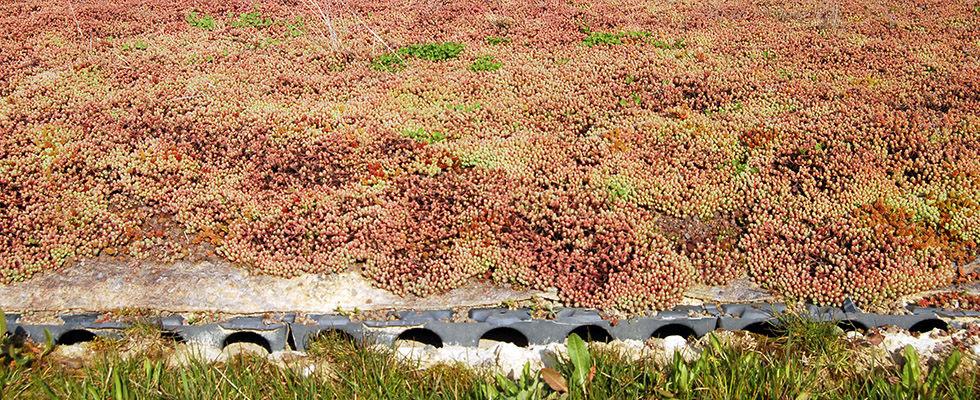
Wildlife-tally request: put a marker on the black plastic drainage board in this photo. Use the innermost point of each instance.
(504, 325)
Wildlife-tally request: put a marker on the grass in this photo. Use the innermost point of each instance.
(345, 371)
(810, 360)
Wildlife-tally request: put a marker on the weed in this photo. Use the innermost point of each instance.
(203, 317)
(528, 386)
(465, 107)
(583, 371)
(423, 135)
(349, 314)
(641, 37)
(635, 97)
(393, 62)
(297, 28)
(14, 349)
(768, 55)
(542, 309)
(266, 42)
(741, 165)
(433, 51)
(485, 63)
(390, 62)
(509, 304)
(251, 20)
(677, 44)
(597, 38)
(205, 21)
(635, 35)
(494, 40)
(620, 188)
(547, 384)
(139, 45)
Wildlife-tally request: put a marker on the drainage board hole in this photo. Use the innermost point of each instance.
(508, 335)
(247, 337)
(764, 328)
(421, 335)
(592, 333)
(76, 336)
(928, 325)
(683, 331)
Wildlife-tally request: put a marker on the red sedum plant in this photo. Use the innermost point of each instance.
(825, 151)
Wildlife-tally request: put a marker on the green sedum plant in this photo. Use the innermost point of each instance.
(433, 51)
(139, 45)
(495, 40)
(393, 62)
(485, 63)
(251, 20)
(609, 38)
(297, 28)
(597, 38)
(204, 21)
(423, 135)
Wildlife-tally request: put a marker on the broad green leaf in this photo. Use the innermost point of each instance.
(578, 352)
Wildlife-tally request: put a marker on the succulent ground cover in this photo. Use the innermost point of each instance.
(616, 150)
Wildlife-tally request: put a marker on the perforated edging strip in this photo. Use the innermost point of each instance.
(499, 324)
